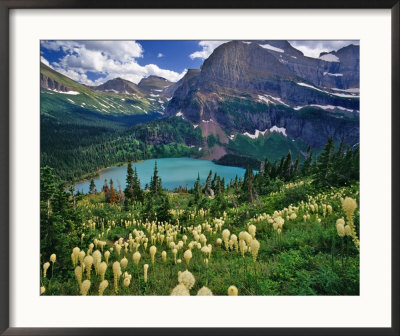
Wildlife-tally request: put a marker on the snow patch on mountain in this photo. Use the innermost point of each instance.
(256, 134)
(278, 130)
(270, 47)
(329, 58)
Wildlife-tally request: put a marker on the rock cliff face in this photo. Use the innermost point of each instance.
(254, 85)
(51, 84)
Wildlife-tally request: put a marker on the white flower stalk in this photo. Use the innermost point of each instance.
(349, 205)
(102, 270)
(225, 236)
(179, 261)
(340, 228)
(78, 274)
(81, 257)
(242, 246)
(102, 287)
(252, 230)
(180, 290)
(174, 252)
(85, 287)
(255, 246)
(42, 290)
(117, 273)
(145, 268)
(187, 255)
(118, 249)
(106, 256)
(96, 260)
(347, 230)
(232, 291)
(136, 258)
(127, 281)
(219, 241)
(124, 262)
(164, 255)
(53, 258)
(88, 261)
(186, 278)
(75, 256)
(204, 291)
(153, 251)
(46, 266)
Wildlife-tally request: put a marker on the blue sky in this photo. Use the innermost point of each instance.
(94, 62)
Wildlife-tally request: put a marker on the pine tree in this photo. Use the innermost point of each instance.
(197, 189)
(129, 184)
(305, 171)
(92, 187)
(155, 182)
(324, 165)
(47, 186)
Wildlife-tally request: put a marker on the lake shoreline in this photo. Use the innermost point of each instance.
(174, 172)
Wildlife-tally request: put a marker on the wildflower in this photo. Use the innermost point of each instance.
(85, 287)
(255, 246)
(136, 258)
(75, 255)
(78, 274)
(53, 258)
(187, 255)
(102, 269)
(242, 245)
(106, 256)
(340, 227)
(180, 290)
(103, 285)
(124, 262)
(349, 205)
(46, 265)
(42, 290)
(174, 252)
(225, 236)
(117, 273)
(219, 241)
(347, 230)
(204, 291)
(179, 261)
(88, 261)
(145, 268)
(96, 260)
(81, 257)
(232, 291)
(164, 255)
(127, 281)
(153, 251)
(187, 279)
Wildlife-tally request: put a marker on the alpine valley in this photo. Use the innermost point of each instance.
(249, 101)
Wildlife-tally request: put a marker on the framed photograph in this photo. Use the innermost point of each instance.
(241, 158)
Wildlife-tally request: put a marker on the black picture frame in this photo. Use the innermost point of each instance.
(5, 152)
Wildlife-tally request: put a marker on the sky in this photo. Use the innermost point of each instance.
(95, 62)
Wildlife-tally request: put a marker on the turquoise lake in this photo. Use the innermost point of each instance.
(174, 172)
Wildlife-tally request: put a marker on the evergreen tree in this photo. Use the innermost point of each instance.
(155, 182)
(92, 187)
(323, 173)
(197, 189)
(129, 194)
(305, 171)
(47, 186)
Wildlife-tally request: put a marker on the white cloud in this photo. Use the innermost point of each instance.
(314, 48)
(45, 61)
(160, 55)
(207, 49)
(109, 59)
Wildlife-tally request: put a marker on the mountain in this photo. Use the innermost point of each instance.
(153, 84)
(119, 85)
(117, 102)
(257, 88)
